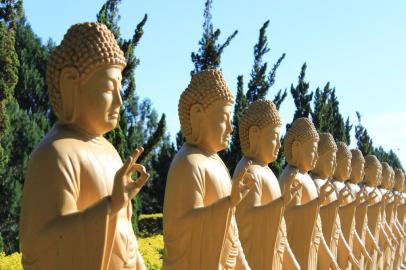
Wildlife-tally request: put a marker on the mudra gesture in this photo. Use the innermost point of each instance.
(259, 216)
(332, 230)
(302, 212)
(76, 207)
(200, 231)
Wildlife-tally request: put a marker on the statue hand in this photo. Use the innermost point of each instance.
(344, 194)
(125, 188)
(241, 184)
(325, 191)
(291, 190)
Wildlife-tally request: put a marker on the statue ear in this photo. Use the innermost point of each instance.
(68, 85)
(196, 116)
(253, 135)
(295, 150)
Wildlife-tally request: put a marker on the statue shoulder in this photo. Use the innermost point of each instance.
(289, 173)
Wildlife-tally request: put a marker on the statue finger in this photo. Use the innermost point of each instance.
(136, 167)
(127, 166)
(136, 154)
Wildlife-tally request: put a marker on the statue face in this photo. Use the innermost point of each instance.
(99, 101)
(305, 154)
(327, 163)
(215, 127)
(343, 169)
(268, 144)
(357, 170)
(373, 176)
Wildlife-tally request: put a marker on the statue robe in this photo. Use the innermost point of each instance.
(200, 231)
(302, 220)
(64, 212)
(260, 221)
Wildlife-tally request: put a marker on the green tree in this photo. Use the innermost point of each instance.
(10, 12)
(209, 53)
(390, 157)
(301, 97)
(322, 115)
(138, 124)
(364, 141)
(340, 129)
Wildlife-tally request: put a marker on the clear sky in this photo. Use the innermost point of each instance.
(358, 46)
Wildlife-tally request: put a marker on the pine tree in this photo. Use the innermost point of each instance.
(341, 130)
(209, 53)
(364, 141)
(138, 124)
(10, 12)
(260, 84)
(322, 115)
(301, 97)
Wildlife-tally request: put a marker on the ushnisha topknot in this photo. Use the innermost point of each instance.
(85, 46)
(302, 129)
(343, 152)
(386, 169)
(372, 161)
(206, 87)
(399, 179)
(357, 156)
(260, 113)
(326, 143)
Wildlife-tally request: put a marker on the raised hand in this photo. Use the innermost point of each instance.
(242, 183)
(125, 188)
(325, 191)
(344, 194)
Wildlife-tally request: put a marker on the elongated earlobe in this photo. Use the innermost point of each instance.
(69, 85)
(196, 116)
(253, 134)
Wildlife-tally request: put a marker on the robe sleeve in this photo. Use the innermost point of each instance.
(194, 232)
(54, 233)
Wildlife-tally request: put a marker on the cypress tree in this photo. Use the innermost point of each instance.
(209, 53)
(364, 141)
(301, 97)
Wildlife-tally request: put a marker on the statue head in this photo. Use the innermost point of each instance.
(388, 176)
(399, 180)
(259, 131)
(326, 163)
(300, 144)
(344, 156)
(373, 171)
(205, 111)
(84, 78)
(357, 166)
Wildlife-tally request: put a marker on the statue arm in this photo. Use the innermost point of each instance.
(51, 218)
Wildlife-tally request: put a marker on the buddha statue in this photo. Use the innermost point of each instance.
(324, 169)
(76, 204)
(302, 217)
(346, 211)
(388, 177)
(372, 178)
(200, 230)
(398, 215)
(361, 221)
(259, 216)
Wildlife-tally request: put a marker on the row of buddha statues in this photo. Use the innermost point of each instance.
(330, 208)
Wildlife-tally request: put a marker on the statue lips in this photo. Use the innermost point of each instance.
(114, 114)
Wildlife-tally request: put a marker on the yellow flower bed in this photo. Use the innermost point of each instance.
(12, 262)
(151, 249)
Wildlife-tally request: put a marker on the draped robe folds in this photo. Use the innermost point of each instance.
(200, 231)
(374, 220)
(260, 221)
(302, 221)
(64, 221)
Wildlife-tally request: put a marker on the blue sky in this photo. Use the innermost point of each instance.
(358, 46)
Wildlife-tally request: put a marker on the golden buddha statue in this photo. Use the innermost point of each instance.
(348, 205)
(200, 230)
(302, 210)
(361, 220)
(260, 220)
(399, 217)
(325, 168)
(372, 178)
(76, 207)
